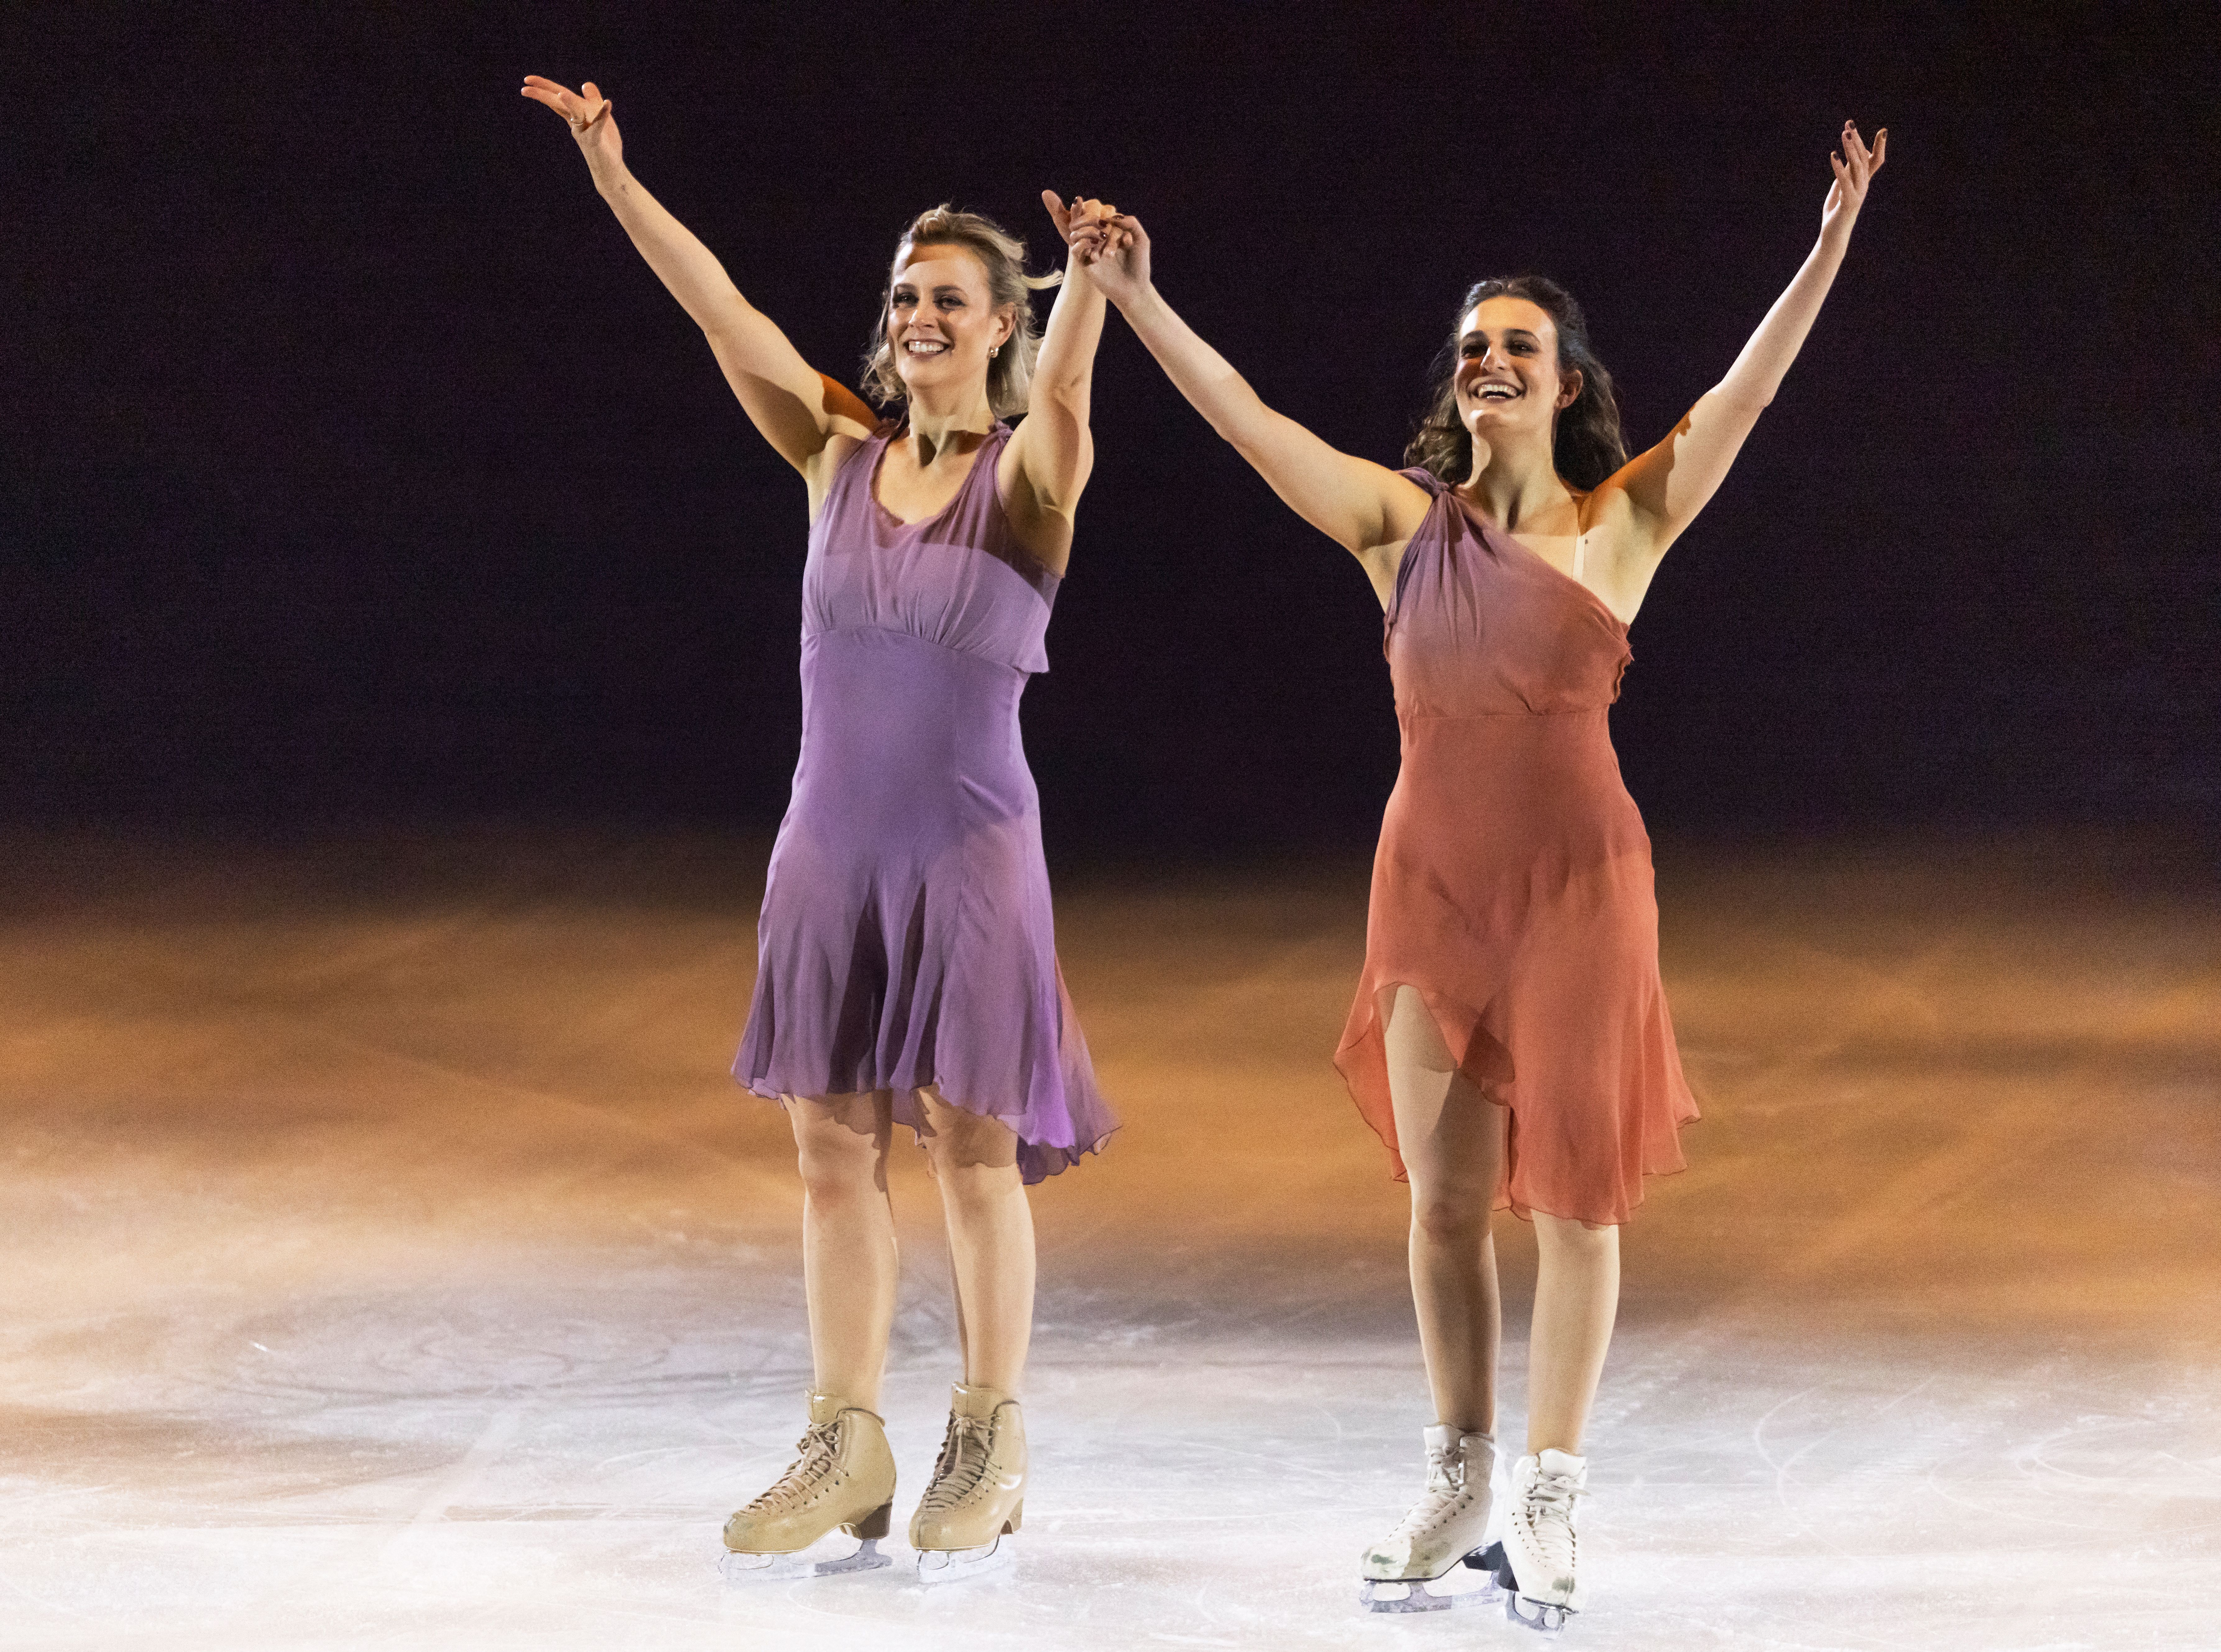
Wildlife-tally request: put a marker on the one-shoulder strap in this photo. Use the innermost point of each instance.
(1438, 494)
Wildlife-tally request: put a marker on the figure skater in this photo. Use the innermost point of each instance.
(1509, 1039)
(907, 969)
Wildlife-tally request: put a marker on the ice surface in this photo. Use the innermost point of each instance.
(390, 1264)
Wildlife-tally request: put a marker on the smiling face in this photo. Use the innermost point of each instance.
(1507, 377)
(941, 320)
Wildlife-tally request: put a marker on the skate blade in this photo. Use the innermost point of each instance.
(1427, 1594)
(1546, 1615)
(809, 1563)
(937, 1566)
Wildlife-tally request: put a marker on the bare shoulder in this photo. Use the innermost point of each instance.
(1617, 550)
(1611, 525)
(1604, 505)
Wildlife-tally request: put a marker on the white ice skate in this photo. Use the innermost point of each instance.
(1448, 1524)
(1541, 1571)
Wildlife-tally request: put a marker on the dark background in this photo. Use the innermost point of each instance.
(357, 470)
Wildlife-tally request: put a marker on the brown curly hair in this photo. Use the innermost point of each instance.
(1003, 255)
(1586, 445)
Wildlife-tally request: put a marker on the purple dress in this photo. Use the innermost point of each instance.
(906, 937)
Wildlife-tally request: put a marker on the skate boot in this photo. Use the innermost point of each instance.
(844, 1480)
(978, 1497)
(1540, 1574)
(1447, 1524)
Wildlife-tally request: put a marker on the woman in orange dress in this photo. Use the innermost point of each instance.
(1509, 1039)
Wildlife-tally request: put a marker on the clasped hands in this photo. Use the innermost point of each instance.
(1092, 229)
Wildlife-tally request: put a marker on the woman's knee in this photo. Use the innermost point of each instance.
(971, 1173)
(841, 1154)
(978, 1190)
(831, 1175)
(1456, 1213)
(965, 1150)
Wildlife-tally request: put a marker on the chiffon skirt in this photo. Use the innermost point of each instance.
(1513, 891)
(906, 938)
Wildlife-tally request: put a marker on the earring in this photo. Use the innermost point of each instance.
(994, 350)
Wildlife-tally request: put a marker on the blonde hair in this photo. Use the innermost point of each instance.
(1003, 255)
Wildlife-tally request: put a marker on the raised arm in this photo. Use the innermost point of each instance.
(1666, 487)
(799, 409)
(1363, 507)
(1047, 464)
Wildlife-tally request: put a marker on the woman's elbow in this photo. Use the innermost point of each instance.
(1743, 396)
(1068, 391)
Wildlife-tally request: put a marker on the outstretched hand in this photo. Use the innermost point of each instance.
(591, 116)
(1854, 168)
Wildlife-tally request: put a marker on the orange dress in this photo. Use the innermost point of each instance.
(1512, 887)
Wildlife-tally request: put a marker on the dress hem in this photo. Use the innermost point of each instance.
(1368, 1048)
(1038, 1160)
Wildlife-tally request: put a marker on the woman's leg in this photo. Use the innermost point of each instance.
(1452, 1139)
(847, 1239)
(990, 1238)
(1576, 1299)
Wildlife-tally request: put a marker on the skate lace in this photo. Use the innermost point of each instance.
(962, 1464)
(817, 1449)
(1547, 1510)
(1446, 1491)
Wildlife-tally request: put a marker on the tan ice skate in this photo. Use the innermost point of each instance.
(1447, 1524)
(844, 1480)
(978, 1497)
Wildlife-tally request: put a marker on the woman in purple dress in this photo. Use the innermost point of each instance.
(907, 965)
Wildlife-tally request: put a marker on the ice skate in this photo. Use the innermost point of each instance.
(1540, 1575)
(1447, 1524)
(977, 1500)
(840, 1487)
